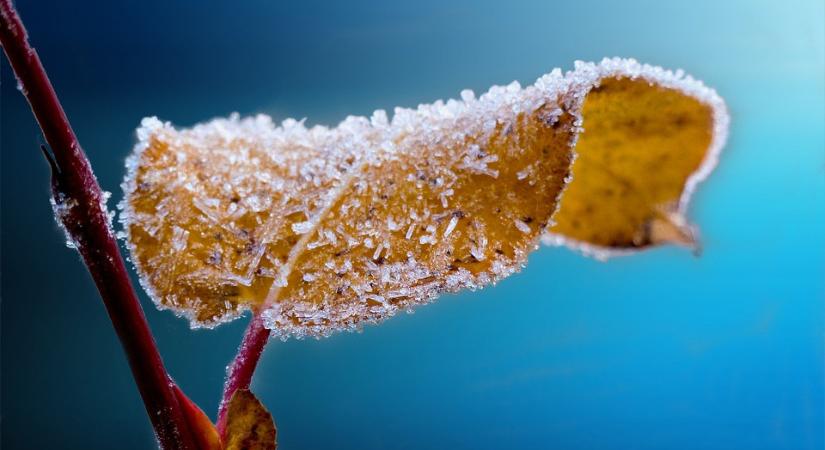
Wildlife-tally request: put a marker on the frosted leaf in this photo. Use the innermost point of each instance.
(214, 194)
(325, 229)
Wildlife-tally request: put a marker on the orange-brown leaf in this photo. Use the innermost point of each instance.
(249, 425)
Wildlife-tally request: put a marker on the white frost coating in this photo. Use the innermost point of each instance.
(180, 237)
(523, 227)
(476, 161)
(110, 215)
(302, 227)
(309, 277)
(470, 115)
(62, 207)
(377, 253)
(392, 225)
(451, 226)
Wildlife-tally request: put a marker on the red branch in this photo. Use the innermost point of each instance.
(239, 374)
(82, 211)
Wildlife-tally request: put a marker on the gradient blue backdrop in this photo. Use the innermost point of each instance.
(657, 351)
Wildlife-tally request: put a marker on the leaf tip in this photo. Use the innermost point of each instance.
(673, 228)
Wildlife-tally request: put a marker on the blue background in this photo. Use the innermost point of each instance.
(656, 351)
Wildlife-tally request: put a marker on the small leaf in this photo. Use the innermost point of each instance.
(204, 432)
(249, 425)
(326, 229)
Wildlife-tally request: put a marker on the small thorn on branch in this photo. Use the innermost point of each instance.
(50, 159)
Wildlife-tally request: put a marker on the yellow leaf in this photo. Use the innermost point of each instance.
(640, 146)
(325, 229)
(249, 425)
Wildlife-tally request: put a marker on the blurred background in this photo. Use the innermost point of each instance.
(662, 350)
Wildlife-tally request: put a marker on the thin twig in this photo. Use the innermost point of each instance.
(239, 373)
(81, 208)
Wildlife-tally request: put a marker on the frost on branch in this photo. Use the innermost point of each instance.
(325, 229)
(62, 206)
